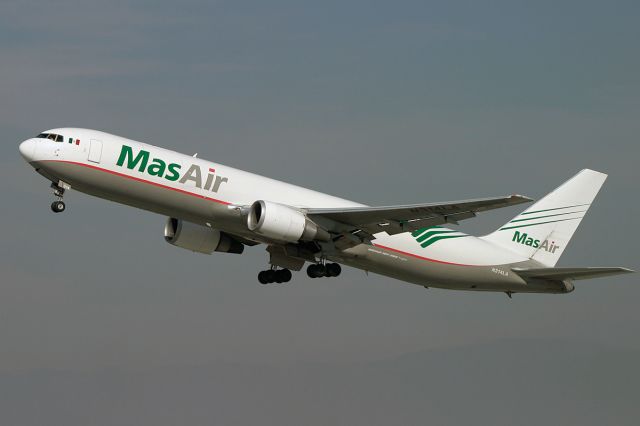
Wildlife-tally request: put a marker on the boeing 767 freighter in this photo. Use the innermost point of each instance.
(215, 208)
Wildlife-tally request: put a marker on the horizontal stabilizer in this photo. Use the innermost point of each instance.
(561, 274)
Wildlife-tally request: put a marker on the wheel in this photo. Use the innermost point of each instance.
(262, 278)
(58, 206)
(317, 271)
(311, 271)
(270, 275)
(333, 269)
(321, 271)
(283, 276)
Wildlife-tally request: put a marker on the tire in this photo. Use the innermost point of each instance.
(316, 271)
(262, 278)
(311, 271)
(285, 275)
(270, 275)
(322, 271)
(333, 269)
(58, 206)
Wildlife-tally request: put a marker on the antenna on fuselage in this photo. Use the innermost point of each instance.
(195, 155)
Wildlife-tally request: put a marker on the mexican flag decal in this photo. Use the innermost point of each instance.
(77, 141)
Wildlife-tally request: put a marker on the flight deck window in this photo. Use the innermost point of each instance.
(54, 137)
(51, 136)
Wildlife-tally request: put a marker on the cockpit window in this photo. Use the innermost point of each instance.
(51, 136)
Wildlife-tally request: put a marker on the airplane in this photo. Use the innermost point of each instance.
(211, 208)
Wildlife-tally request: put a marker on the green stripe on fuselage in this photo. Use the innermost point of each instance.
(435, 232)
(438, 238)
(421, 230)
(427, 236)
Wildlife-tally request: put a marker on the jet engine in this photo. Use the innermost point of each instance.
(198, 238)
(283, 223)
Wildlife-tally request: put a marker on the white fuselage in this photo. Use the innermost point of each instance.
(212, 194)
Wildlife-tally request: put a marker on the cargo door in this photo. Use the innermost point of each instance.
(95, 151)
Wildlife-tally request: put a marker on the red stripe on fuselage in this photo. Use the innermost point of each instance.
(420, 257)
(182, 191)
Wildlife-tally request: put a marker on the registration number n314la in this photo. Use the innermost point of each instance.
(500, 272)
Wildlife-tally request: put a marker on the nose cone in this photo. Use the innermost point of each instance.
(27, 149)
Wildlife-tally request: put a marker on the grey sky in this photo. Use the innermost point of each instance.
(101, 322)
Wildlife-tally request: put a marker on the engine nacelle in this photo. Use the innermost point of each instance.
(283, 223)
(198, 238)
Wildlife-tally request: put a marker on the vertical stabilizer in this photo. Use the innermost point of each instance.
(543, 231)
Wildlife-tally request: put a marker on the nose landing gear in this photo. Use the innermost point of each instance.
(58, 191)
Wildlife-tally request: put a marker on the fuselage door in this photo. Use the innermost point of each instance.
(95, 151)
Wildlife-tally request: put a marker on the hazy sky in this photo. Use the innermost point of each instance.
(103, 323)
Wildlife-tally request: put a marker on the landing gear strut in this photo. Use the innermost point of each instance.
(58, 191)
(274, 276)
(318, 270)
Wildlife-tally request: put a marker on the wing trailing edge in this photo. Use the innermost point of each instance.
(406, 218)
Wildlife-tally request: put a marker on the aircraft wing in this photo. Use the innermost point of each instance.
(560, 274)
(404, 218)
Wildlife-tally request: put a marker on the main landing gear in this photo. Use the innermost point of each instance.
(274, 276)
(58, 191)
(318, 270)
(315, 270)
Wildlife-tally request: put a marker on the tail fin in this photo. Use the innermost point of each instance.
(543, 231)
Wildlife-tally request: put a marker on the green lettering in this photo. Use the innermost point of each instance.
(157, 167)
(173, 173)
(127, 154)
(519, 238)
